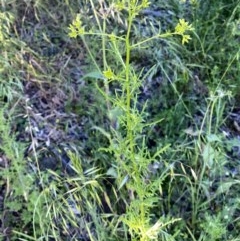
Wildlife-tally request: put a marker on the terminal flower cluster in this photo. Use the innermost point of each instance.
(181, 28)
(76, 28)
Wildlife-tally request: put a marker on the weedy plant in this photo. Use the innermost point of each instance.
(177, 192)
(13, 175)
(131, 159)
(215, 61)
(32, 203)
(9, 78)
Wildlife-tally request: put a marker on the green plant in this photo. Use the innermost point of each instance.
(200, 166)
(127, 144)
(14, 178)
(210, 147)
(213, 228)
(217, 63)
(9, 80)
(157, 159)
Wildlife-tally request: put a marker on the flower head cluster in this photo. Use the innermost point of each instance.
(181, 28)
(108, 74)
(132, 4)
(76, 28)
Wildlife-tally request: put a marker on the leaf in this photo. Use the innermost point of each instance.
(225, 186)
(162, 150)
(208, 155)
(108, 201)
(95, 75)
(213, 138)
(124, 181)
(191, 132)
(101, 130)
(194, 175)
(232, 143)
(112, 172)
(183, 169)
(153, 123)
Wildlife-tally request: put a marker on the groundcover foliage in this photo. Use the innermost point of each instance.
(119, 120)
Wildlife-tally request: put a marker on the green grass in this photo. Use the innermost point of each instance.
(122, 133)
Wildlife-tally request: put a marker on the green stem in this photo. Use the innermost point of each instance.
(104, 45)
(165, 35)
(106, 85)
(103, 34)
(128, 88)
(90, 54)
(136, 176)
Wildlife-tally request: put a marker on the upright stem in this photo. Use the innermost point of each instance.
(106, 86)
(130, 132)
(103, 36)
(128, 88)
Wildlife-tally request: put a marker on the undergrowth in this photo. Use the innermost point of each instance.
(154, 155)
